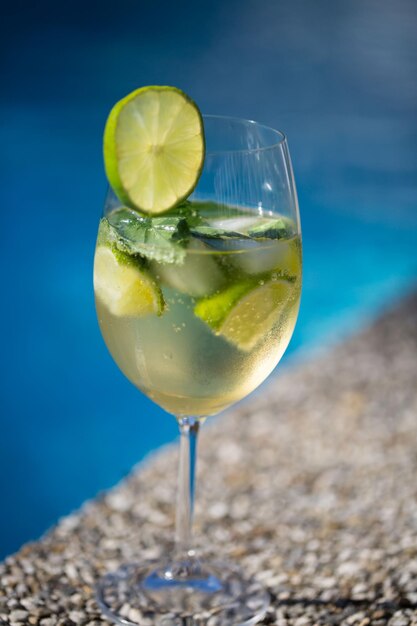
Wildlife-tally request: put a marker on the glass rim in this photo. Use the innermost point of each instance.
(281, 136)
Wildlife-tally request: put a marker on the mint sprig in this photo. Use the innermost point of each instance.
(161, 239)
(165, 238)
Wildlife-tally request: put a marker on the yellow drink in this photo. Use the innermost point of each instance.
(229, 311)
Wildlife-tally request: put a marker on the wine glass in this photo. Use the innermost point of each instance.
(221, 306)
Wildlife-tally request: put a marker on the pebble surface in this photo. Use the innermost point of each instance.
(310, 486)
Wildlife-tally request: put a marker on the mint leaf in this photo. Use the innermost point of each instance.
(204, 231)
(226, 226)
(189, 211)
(160, 239)
(235, 224)
(276, 228)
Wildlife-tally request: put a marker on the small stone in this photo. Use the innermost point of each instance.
(21, 590)
(12, 603)
(71, 571)
(28, 567)
(355, 618)
(398, 619)
(18, 615)
(348, 568)
(135, 615)
(378, 614)
(359, 589)
(326, 583)
(65, 621)
(28, 603)
(125, 609)
(119, 501)
(77, 617)
(412, 597)
(77, 599)
(218, 510)
(48, 621)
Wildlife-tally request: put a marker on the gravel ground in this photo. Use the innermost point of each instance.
(311, 486)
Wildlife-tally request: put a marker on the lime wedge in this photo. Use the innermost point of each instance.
(154, 148)
(245, 312)
(124, 287)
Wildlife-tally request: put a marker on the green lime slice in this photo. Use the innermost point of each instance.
(124, 287)
(245, 312)
(154, 148)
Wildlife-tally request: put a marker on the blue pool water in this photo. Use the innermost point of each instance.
(338, 77)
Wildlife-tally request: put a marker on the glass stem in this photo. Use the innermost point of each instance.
(189, 427)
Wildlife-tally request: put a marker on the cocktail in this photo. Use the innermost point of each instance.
(197, 278)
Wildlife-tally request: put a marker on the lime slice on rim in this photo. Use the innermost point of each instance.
(124, 287)
(154, 148)
(246, 311)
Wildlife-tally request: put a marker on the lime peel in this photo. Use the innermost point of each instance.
(245, 312)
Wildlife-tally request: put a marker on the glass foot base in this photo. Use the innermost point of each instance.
(187, 593)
